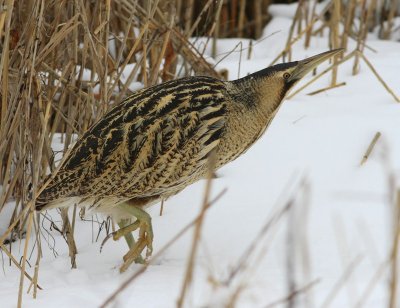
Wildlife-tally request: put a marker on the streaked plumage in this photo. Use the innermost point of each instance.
(157, 141)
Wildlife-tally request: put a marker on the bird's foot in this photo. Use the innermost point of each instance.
(123, 231)
(145, 241)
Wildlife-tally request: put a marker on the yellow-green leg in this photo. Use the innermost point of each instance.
(125, 230)
(143, 223)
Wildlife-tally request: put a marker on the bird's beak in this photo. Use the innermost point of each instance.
(306, 65)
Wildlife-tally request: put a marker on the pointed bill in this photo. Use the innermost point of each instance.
(306, 65)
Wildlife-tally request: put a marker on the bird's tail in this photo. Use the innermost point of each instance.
(43, 204)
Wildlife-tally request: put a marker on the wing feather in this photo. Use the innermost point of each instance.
(156, 142)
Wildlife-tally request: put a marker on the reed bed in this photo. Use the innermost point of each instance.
(63, 64)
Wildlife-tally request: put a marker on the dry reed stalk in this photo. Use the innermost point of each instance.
(161, 54)
(188, 15)
(39, 255)
(334, 37)
(289, 39)
(310, 29)
(128, 58)
(258, 18)
(360, 36)
(387, 31)
(327, 88)
(196, 23)
(390, 91)
(348, 22)
(299, 36)
(24, 258)
(370, 148)
(242, 8)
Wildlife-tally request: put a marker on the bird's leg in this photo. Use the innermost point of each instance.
(143, 222)
(126, 230)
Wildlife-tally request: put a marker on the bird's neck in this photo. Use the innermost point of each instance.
(250, 113)
(258, 96)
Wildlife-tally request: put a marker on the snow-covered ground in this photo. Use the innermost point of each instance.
(333, 241)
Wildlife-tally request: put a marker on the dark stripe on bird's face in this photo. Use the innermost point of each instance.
(269, 71)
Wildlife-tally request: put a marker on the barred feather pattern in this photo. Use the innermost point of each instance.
(151, 146)
(158, 140)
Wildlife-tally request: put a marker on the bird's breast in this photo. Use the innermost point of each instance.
(243, 128)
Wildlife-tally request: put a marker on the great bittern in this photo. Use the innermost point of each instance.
(158, 140)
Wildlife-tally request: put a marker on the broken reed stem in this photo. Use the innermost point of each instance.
(391, 92)
(197, 234)
(139, 272)
(162, 207)
(370, 148)
(327, 88)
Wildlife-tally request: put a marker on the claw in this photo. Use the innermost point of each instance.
(143, 223)
(145, 240)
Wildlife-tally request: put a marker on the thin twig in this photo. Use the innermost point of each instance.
(337, 85)
(370, 148)
(295, 293)
(396, 98)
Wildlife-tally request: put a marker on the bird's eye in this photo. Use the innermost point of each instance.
(286, 76)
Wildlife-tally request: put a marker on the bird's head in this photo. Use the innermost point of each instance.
(272, 84)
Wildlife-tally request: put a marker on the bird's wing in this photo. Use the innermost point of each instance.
(157, 140)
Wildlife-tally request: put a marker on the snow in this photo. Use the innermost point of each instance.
(339, 220)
